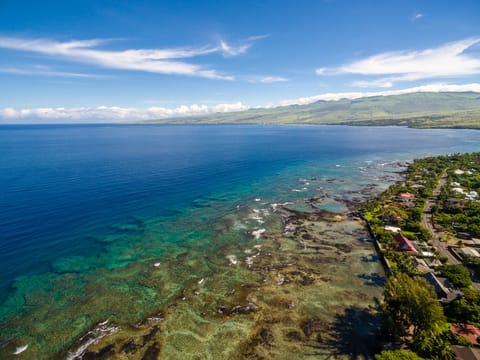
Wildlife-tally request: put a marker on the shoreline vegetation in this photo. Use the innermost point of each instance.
(418, 110)
(426, 230)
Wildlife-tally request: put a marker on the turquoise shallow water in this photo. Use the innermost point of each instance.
(111, 222)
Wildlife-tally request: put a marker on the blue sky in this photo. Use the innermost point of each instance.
(68, 61)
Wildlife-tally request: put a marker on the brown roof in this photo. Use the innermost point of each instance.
(467, 331)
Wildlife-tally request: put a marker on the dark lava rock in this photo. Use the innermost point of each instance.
(266, 336)
(294, 336)
(312, 326)
(129, 347)
(241, 310)
(101, 354)
(152, 352)
(148, 336)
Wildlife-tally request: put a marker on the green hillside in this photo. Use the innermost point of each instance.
(420, 110)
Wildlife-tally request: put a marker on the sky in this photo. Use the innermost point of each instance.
(118, 60)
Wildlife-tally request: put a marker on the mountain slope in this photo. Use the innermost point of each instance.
(423, 110)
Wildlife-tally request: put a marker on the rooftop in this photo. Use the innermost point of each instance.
(404, 244)
(467, 331)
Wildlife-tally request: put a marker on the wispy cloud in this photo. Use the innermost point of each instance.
(229, 50)
(41, 70)
(448, 60)
(258, 37)
(112, 113)
(161, 61)
(266, 79)
(240, 48)
(273, 79)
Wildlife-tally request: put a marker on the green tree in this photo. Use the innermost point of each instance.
(397, 355)
(411, 303)
(458, 275)
(401, 262)
(433, 345)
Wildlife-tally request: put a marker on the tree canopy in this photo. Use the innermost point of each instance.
(410, 305)
(397, 355)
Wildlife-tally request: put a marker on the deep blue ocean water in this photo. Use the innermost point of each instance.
(64, 186)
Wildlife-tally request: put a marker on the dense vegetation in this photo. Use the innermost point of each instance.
(419, 110)
(454, 212)
(410, 309)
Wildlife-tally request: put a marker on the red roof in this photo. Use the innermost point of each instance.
(406, 195)
(404, 244)
(468, 331)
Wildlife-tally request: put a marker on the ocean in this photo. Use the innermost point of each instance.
(115, 223)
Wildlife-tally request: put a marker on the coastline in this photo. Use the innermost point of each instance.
(216, 266)
(300, 286)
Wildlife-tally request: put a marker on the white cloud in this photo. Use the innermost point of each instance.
(220, 108)
(113, 113)
(448, 60)
(241, 48)
(162, 61)
(417, 16)
(229, 50)
(39, 70)
(356, 95)
(272, 79)
(266, 79)
(258, 37)
(116, 113)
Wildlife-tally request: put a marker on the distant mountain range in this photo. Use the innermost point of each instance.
(419, 110)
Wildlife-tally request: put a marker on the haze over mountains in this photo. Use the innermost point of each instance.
(421, 110)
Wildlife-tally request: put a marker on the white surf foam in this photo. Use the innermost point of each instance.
(257, 233)
(20, 349)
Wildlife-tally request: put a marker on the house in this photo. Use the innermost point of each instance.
(392, 229)
(472, 195)
(404, 244)
(454, 202)
(422, 265)
(443, 288)
(468, 331)
(469, 252)
(466, 353)
(433, 262)
(405, 197)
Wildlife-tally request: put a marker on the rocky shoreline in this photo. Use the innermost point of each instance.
(310, 279)
(272, 279)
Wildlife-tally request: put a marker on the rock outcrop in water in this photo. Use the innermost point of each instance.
(290, 298)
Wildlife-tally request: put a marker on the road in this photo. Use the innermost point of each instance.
(427, 222)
